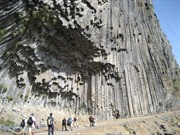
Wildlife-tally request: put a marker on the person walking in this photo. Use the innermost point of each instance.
(92, 120)
(69, 123)
(50, 123)
(64, 124)
(31, 124)
(75, 122)
(23, 125)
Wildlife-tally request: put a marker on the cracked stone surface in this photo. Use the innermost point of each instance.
(87, 56)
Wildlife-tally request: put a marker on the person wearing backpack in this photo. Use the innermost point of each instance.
(92, 120)
(50, 123)
(23, 125)
(64, 124)
(31, 123)
(69, 122)
(75, 122)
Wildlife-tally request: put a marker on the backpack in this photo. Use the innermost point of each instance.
(50, 121)
(22, 123)
(91, 118)
(64, 121)
(30, 121)
(75, 119)
(69, 120)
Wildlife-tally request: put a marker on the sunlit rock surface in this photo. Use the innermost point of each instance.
(85, 56)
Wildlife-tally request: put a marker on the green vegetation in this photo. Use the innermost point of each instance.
(38, 18)
(7, 122)
(21, 30)
(10, 98)
(2, 33)
(18, 44)
(3, 88)
(149, 9)
(129, 129)
(8, 53)
(26, 98)
(174, 85)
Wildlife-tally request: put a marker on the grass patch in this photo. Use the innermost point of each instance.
(3, 88)
(7, 122)
(174, 84)
(10, 98)
(177, 84)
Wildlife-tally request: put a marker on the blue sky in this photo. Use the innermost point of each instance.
(168, 13)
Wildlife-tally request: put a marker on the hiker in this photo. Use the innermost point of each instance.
(64, 124)
(75, 122)
(50, 123)
(92, 120)
(31, 124)
(69, 123)
(23, 125)
(116, 114)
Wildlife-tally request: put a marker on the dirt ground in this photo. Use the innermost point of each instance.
(167, 123)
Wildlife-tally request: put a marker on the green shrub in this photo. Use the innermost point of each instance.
(3, 88)
(10, 98)
(8, 53)
(18, 44)
(173, 84)
(7, 122)
(26, 97)
(2, 33)
(176, 87)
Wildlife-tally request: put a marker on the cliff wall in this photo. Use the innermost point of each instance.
(85, 56)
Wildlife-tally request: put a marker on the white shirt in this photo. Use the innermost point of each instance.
(34, 120)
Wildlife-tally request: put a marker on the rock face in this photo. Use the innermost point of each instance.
(87, 56)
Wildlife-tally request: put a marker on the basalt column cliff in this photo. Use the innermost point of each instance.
(88, 56)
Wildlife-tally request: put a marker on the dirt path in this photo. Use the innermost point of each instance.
(162, 123)
(158, 124)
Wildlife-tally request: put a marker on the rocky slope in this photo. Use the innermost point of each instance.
(85, 56)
